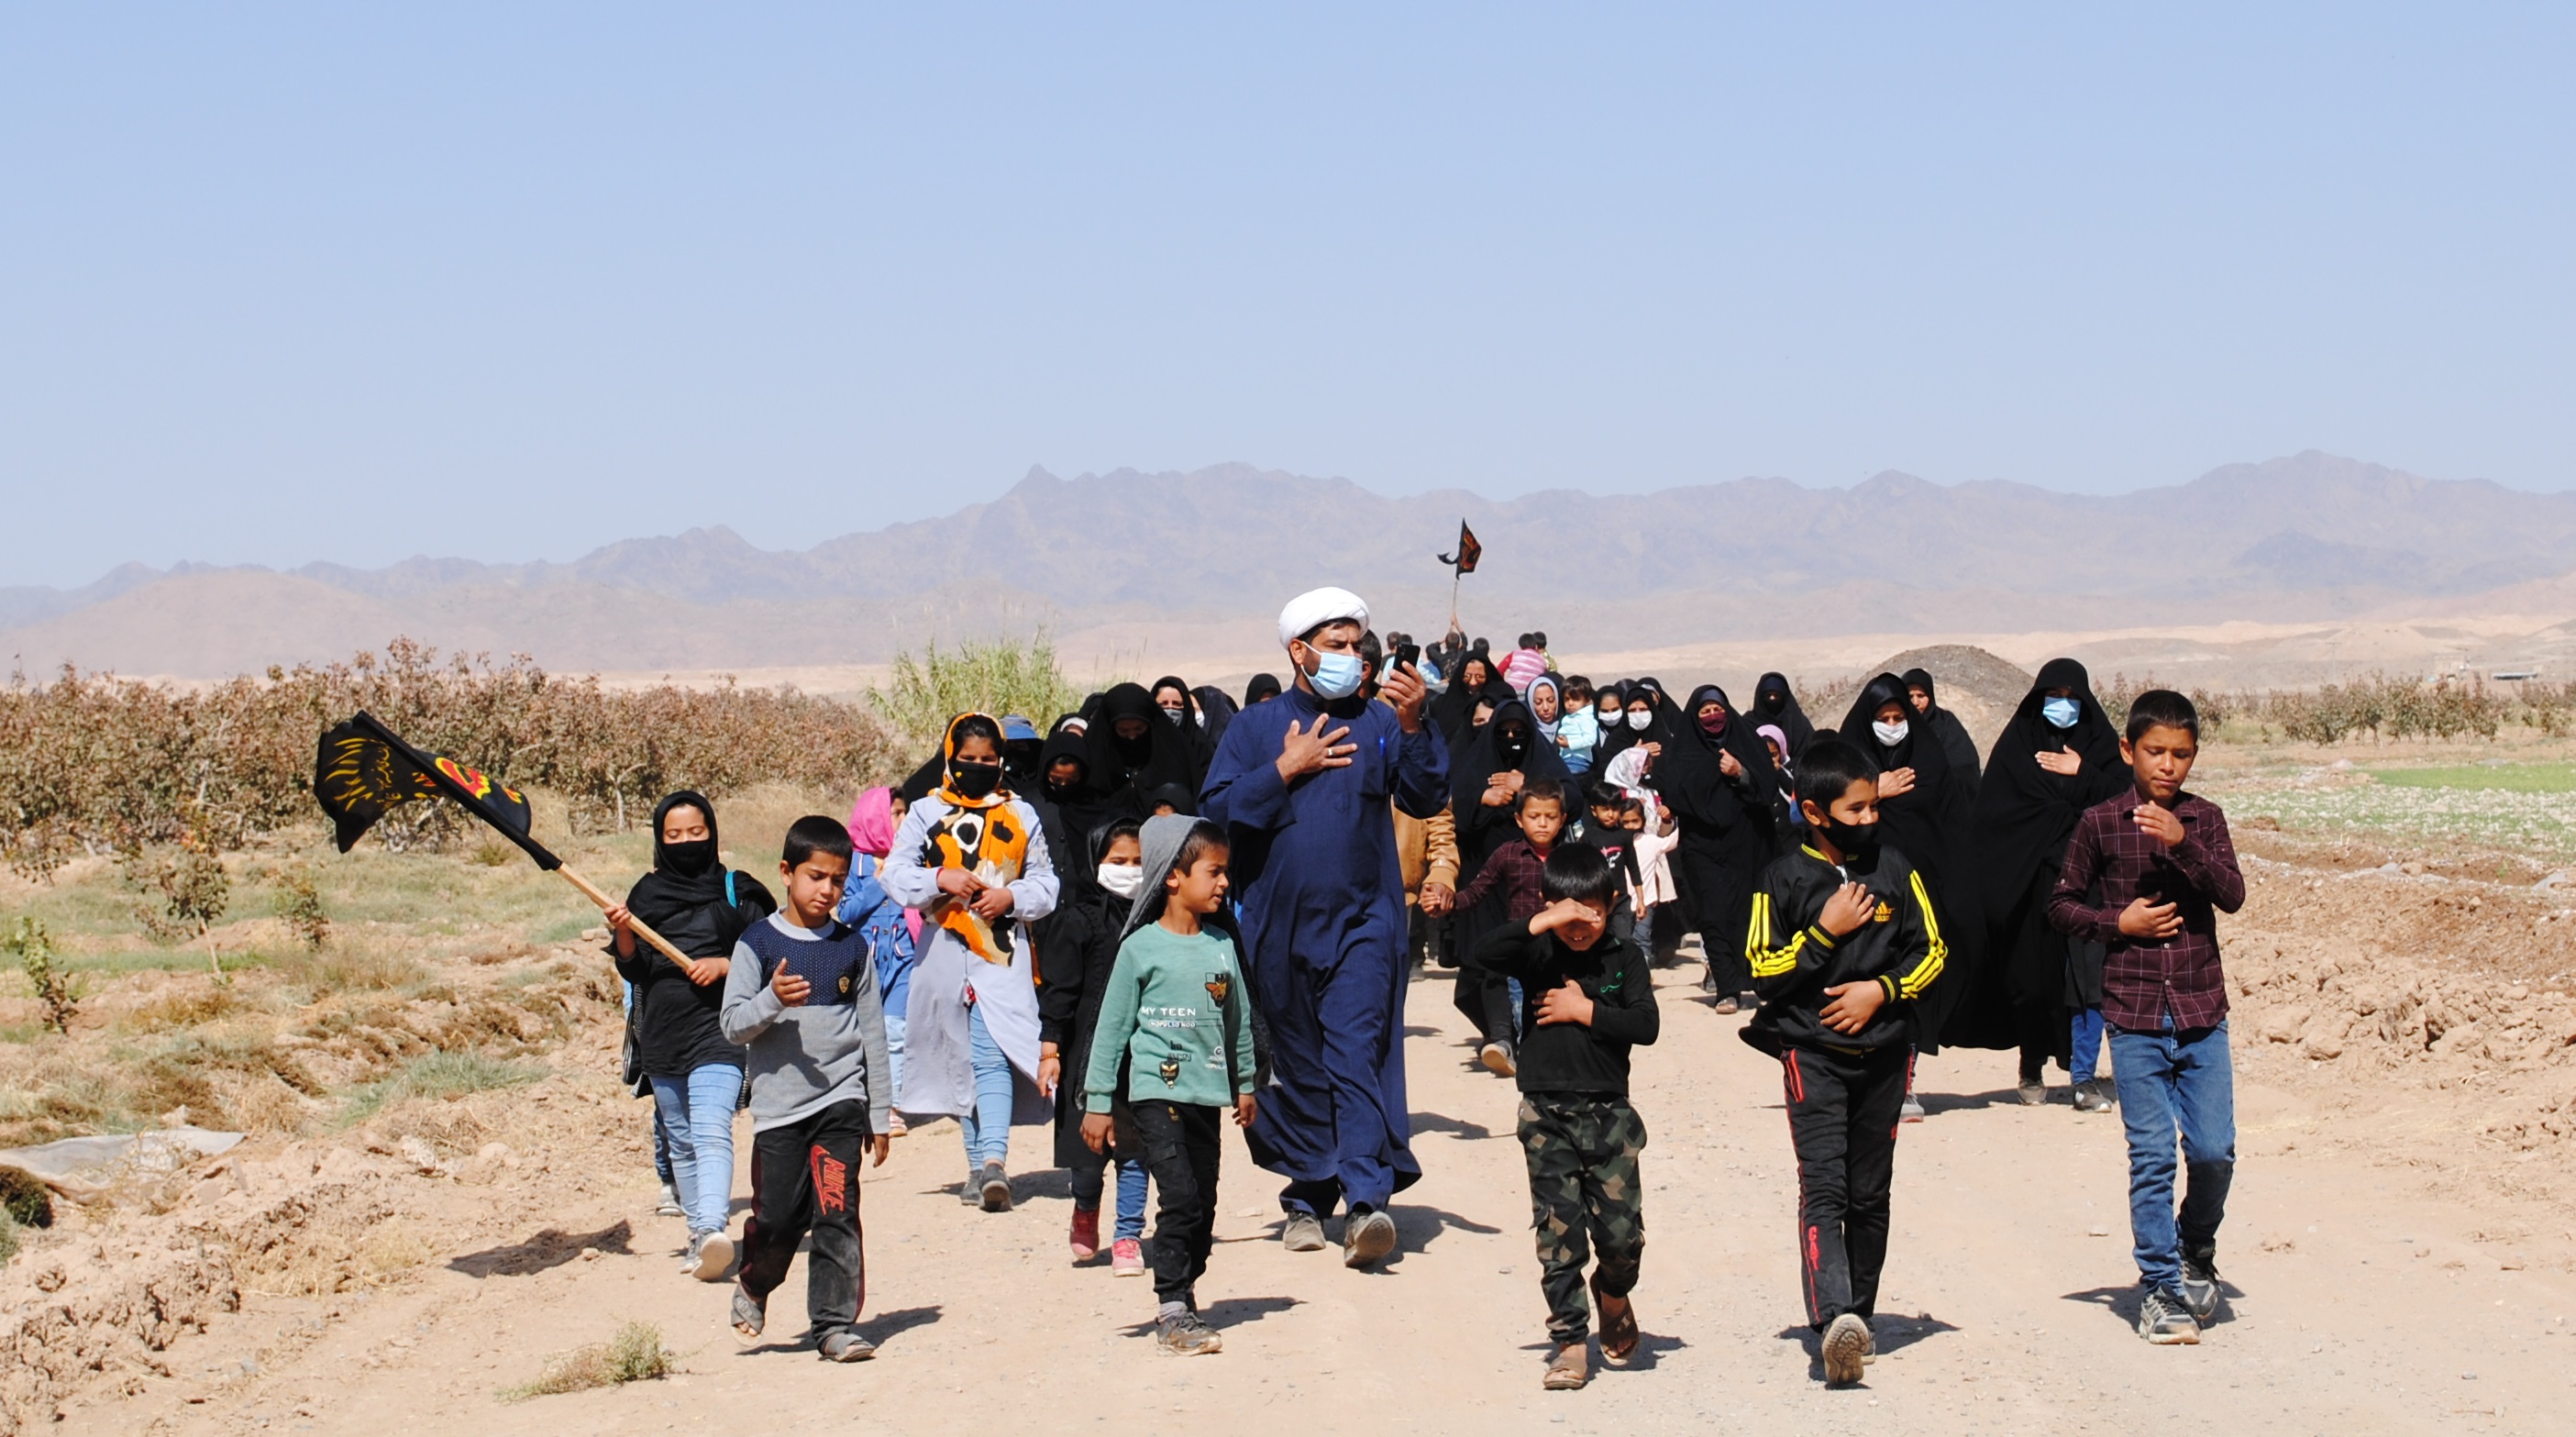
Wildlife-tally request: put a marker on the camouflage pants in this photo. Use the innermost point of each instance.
(1586, 1200)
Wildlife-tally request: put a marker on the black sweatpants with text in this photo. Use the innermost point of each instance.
(1843, 1111)
(805, 1179)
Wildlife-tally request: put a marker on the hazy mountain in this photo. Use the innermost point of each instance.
(2312, 536)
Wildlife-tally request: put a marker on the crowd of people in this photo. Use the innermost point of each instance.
(1170, 907)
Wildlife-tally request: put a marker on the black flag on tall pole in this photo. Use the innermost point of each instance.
(1469, 551)
(362, 768)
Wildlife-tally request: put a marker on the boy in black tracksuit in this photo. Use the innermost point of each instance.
(1588, 996)
(1843, 940)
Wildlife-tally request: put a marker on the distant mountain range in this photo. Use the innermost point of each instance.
(2307, 537)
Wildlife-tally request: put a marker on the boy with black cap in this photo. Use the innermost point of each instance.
(1843, 941)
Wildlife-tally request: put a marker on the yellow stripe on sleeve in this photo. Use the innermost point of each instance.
(1935, 952)
(1768, 961)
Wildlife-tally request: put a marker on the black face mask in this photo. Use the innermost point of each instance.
(1512, 747)
(1771, 703)
(1858, 842)
(975, 780)
(690, 859)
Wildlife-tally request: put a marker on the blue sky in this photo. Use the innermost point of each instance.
(281, 283)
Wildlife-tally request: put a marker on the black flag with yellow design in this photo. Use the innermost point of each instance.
(1469, 551)
(363, 769)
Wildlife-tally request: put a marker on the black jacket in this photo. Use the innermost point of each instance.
(1570, 1057)
(1795, 960)
(1075, 951)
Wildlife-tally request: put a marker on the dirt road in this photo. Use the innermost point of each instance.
(2361, 1302)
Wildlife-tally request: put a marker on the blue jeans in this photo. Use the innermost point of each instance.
(1132, 1175)
(987, 1130)
(697, 1111)
(894, 1057)
(2175, 1083)
(2085, 1064)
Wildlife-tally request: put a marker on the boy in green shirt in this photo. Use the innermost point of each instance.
(1173, 1050)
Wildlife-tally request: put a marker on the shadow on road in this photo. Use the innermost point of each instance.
(550, 1248)
(1442, 1123)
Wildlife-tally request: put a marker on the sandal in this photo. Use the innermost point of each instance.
(1618, 1325)
(1568, 1370)
(750, 1314)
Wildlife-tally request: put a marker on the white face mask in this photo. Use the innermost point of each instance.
(1124, 879)
(1639, 718)
(1890, 734)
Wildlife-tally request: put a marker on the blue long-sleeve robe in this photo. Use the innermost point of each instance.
(1321, 896)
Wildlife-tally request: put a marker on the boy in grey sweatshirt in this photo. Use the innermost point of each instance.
(802, 995)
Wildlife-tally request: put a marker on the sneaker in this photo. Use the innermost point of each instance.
(1726, 1006)
(1126, 1258)
(1366, 1239)
(1085, 1238)
(2199, 1285)
(2090, 1098)
(669, 1206)
(993, 1188)
(689, 1254)
(1304, 1233)
(1568, 1369)
(1847, 1347)
(1187, 1335)
(713, 1257)
(750, 1313)
(1912, 1111)
(2165, 1320)
(843, 1344)
(1497, 1056)
(2033, 1092)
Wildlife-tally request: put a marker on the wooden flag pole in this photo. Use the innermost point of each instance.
(591, 891)
(1456, 578)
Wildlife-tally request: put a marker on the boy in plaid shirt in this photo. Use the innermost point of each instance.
(2165, 870)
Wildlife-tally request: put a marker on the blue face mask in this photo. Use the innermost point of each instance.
(1336, 676)
(2061, 713)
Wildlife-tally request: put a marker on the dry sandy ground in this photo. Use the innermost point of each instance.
(2383, 1278)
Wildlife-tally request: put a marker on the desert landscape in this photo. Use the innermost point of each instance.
(454, 452)
(443, 1200)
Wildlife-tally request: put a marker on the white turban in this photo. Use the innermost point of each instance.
(1320, 606)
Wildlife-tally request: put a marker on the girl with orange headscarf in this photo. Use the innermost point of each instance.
(971, 857)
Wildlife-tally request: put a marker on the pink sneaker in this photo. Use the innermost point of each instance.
(1127, 1258)
(1086, 1235)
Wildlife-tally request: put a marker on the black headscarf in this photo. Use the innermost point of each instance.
(1189, 699)
(1774, 702)
(1218, 706)
(1945, 726)
(1933, 824)
(683, 898)
(1456, 704)
(1262, 688)
(1481, 830)
(1691, 773)
(1489, 752)
(1623, 738)
(1124, 770)
(2025, 813)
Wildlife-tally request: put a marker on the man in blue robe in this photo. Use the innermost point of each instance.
(1302, 784)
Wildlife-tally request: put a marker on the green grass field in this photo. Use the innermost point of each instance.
(2501, 777)
(2508, 808)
